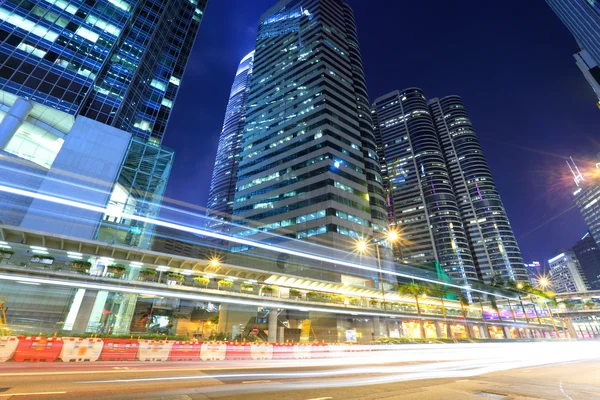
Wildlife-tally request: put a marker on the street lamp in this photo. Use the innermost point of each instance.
(391, 236)
(545, 283)
(215, 262)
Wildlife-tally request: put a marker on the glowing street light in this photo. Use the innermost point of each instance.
(215, 262)
(361, 246)
(393, 236)
(544, 282)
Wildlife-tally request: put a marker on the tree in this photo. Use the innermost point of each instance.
(415, 290)
(464, 302)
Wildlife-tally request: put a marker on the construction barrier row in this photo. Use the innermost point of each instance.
(67, 349)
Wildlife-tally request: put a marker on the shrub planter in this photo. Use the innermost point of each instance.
(175, 277)
(202, 281)
(295, 294)
(147, 273)
(267, 291)
(223, 284)
(6, 254)
(116, 269)
(355, 301)
(82, 267)
(247, 287)
(312, 296)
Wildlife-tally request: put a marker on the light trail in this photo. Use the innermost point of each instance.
(215, 235)
(446, 361)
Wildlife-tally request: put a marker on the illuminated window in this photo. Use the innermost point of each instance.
(27, 25)
(87, 34)
(158, 85)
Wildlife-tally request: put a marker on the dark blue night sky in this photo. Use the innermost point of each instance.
(511, 61)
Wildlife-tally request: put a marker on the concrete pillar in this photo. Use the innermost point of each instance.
(484, 332)
(273, 325)
(13, 120)
(507, 332)
(570, 328)
(85, 311)
(438, 330)
(281, 334)
(223, 316)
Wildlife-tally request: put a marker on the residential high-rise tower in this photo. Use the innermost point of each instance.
(222, 186)
(441, 193)
(308, 163)
(588, 254)
(493, 244)
(566, 273)
(422, 201)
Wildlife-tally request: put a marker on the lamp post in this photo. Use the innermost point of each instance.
(392, 236)
(545, 283)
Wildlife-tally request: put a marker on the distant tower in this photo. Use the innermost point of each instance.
(493, 243)
(587, 199)
(222, 186)
(566, 273)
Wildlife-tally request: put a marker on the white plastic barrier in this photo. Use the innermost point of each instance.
(213, 351)
(302, 351)
(81, 349)
(154, 350)
(261, 351)
(8, 345)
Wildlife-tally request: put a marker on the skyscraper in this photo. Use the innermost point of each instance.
(588, 254)
(308, 162)
(422, 201)
(493, 245)
(115, 61)
(566, 273)
(582, 18)
(587, 196)
(222, 185)
(86, 90)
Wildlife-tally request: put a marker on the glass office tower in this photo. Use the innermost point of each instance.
(421, 198)
(308, 165)
(582, 18)
(493, 245)
(116, 62)
(119, 62)
(222, 185)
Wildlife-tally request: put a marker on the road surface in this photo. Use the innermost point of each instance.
(566, 371)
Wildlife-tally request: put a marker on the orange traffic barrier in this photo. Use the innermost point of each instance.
(37, 349)
(283, 351)
(238, 351)
(119, 350)
(81, 349)
(185, 351)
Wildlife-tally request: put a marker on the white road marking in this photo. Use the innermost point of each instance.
(321, 398)
(463, 380)
(563, 392)
(263, 381)
(30, 394)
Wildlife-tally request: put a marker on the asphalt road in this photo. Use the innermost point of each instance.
(566, 371)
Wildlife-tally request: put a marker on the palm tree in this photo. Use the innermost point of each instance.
(443, 290)
(464, 302)
(415, 290)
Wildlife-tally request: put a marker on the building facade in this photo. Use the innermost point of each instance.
(493, 244)
(588, 254)
(222, 185)
(308, 165)
(587, 196)
(566, 273)
(71, 72)
(115, 61)
(582, 18)
(422, 202)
